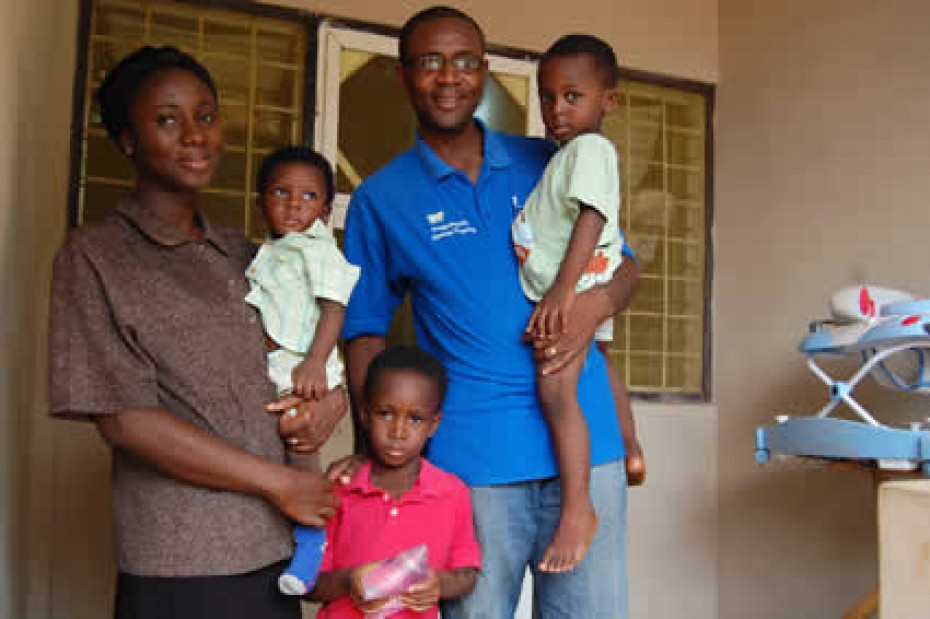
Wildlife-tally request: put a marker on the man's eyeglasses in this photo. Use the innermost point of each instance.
(464, 63)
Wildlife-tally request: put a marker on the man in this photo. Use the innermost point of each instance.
(435, 223)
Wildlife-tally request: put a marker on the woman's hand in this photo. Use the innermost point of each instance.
(306, 424)
(305, 497)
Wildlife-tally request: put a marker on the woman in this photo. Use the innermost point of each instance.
(150, 339)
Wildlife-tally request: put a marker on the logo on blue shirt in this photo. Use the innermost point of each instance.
(440, 228)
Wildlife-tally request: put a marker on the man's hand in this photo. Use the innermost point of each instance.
(590, 309)
(555, 352)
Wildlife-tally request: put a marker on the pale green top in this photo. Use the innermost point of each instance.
(287, 277)
(583, 171)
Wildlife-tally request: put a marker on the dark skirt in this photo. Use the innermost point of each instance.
(253, 595)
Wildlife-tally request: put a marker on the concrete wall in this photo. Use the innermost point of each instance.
(36, 43)
(675, 37)
(61, 469)
(823, 148)
(10, 455)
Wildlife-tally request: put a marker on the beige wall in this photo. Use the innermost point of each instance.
(34, 112)
(10, 455)
(676, 37)
(65, 572)
(823, 151)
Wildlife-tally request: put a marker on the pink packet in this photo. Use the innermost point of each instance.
(393, 576)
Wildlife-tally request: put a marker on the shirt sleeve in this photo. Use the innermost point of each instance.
(595, 180)
(375, 297)
(333, 527)
(592, 176)
(95, 366)
(331, 275)
(465, 551)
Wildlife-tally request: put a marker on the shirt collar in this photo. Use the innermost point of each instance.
(318, 230)
(163, 233)
(495, 155)
(430, 483)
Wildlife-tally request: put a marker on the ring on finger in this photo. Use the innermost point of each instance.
(293, 440)
(292, 413)
(551, 351)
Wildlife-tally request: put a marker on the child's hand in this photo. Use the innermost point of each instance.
(309, 379)
(423, 595)
(357, 592)
(550, 318)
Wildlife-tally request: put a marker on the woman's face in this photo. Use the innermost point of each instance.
(175, 134)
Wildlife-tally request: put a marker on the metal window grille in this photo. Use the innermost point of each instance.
(661, 136)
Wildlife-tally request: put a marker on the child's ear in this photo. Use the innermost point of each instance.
(610, 101)
(326, 212)
(436, 419)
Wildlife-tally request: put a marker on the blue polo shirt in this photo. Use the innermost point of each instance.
(420, 226)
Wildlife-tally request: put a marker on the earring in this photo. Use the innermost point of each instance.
(128, 150)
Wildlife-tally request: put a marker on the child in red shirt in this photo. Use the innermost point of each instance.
(399, 500)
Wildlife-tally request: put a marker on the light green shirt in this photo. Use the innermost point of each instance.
(287, 277)
(583, 171)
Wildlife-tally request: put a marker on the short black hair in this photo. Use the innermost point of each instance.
(295, 154)
(431, 14)
(603, 55)
(123, 82)
(407, 358)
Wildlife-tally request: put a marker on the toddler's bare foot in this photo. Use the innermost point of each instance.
(571, 540)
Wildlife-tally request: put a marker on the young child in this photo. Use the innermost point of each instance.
(300, 283)
(398, 500)
(567, 240)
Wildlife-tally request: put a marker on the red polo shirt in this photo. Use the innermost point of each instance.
(371, 525)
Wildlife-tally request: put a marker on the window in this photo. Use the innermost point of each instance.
(661, 133)
(258, 57)
(259, 65)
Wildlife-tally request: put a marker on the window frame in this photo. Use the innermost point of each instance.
(708, 92)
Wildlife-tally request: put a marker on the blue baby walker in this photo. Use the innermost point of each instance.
(888, 331)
